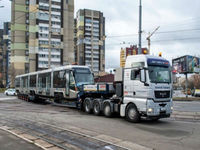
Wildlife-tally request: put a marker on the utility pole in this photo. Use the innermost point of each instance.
(149, 38)
(140, 28)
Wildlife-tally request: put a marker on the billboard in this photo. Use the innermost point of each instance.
(186, 64)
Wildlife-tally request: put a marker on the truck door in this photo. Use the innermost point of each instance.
(139, 90)
(128, 83)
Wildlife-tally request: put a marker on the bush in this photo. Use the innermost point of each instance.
(2, 90)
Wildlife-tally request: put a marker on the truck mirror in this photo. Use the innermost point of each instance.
(142, 76)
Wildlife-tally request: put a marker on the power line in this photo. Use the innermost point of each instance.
(157, 41)
(181, 39)
(163, 32)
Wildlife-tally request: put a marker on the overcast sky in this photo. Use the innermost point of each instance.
(179, 22)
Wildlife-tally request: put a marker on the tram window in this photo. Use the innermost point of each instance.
(24, 82)
(42, 79)
(59, 79)
(17, 82)
(33, 81)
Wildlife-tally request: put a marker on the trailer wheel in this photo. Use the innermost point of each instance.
(96, 108)
(87, 106)
(107, 110)
(132, 114)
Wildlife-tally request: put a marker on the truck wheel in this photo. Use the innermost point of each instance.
(87, 106)
(107, 110)
(96, 108)
(132, 114)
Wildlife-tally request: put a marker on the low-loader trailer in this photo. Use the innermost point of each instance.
(143, 89)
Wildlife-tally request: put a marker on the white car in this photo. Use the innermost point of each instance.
(196, 92)
(10, 92)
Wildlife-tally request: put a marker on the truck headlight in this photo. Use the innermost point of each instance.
(150, 110)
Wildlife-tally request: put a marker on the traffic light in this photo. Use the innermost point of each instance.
(160, 54)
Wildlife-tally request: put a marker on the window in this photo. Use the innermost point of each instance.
(33, 81)
(159, 74)
(135, 74)
(59, 79)
(44, 79)
(17, 82)
(24, 82)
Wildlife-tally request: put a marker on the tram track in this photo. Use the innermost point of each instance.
(59, 137)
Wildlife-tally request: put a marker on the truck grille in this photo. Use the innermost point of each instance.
(162, 94)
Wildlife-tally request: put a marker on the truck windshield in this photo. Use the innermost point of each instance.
(159, 74)
(83, 76)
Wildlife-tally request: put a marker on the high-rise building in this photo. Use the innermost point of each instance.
(42, 34)
(1, 59)
(7, 52)
(90, 39)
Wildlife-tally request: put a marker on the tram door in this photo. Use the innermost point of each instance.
(70, 85)
(48, 83)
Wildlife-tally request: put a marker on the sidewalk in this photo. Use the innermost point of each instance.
(11, 142)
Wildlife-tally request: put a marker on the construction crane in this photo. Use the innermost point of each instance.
(149, 37)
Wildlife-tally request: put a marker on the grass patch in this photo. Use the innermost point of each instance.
(2, 90)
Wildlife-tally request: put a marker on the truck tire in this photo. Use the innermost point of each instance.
(132, 114)
(87, 106)
(107, 110)
(97, 108)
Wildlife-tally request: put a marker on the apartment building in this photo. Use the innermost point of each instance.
(42, 34)
(1, 59)
(90, 39)
(6, 51)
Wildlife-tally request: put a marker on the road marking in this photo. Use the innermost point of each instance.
(9, 98)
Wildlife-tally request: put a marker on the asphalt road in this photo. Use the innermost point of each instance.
(187, 106)
(162, 135)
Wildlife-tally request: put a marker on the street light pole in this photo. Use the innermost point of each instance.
(140, 29)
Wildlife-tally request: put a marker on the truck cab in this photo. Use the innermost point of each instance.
(147, 88)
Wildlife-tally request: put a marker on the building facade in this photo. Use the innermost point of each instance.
(128, 51)
(90, 39)
(1, 60)
(7, 51)
(122, 58)
(42, 34)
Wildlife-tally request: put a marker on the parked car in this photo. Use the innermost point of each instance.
(10, 92)
(196, 92)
